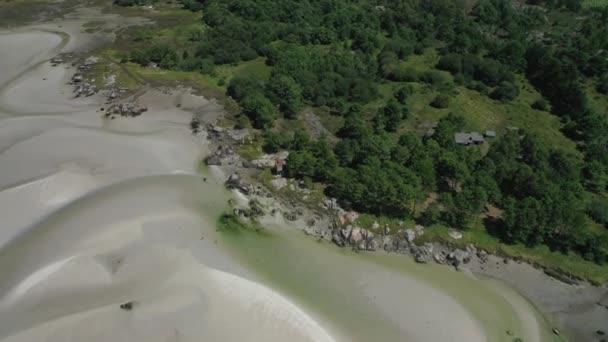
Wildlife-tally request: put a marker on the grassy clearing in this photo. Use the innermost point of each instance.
(595, 3)
(541, 255)
(253, 149)
(480, 111)
(332, 123)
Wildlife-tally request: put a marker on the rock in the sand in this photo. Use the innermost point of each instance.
(421, 254)
(375, 225)
(128, 306)
(213, 160)
(483, 256)
(372, 244)
(77, 78)
(234, 181)
(471, 249)
(410, 235)
(439, 258)
(459, 257)
(345, 232)
(337, 239)
(355, 237)
(429, 247)
(131, 109)
(387, 243)
(401, 245)
(290, 216)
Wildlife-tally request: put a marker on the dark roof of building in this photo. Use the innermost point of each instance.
(468, 138)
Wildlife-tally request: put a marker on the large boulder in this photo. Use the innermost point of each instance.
(278, 183)
(482, 255)
(401, 245)
(471, 249)
(439, 258)
(234, 181)
(337, 239)
(387, 243)
(356, 236)
(372, 243)
(459, 257)
(345, 232)
(421, 254)
(410, 235)
(213, 160)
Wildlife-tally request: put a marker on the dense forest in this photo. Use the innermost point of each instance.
(336, 53)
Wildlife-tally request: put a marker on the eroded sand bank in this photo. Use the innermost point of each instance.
(97, 213)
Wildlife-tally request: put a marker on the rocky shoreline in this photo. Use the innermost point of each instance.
(332, 223)
(565, 299)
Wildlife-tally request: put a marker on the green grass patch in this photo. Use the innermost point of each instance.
(367, 221)
(253, 149)
(595, 3)
(598, 102)
(569, 263)
(232, 224)
(331, 122)
(480, 111)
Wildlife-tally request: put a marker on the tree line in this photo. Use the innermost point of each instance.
(336, 53)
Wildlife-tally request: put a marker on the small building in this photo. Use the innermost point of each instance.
(474, 138)
(279, 164)
(490, 134)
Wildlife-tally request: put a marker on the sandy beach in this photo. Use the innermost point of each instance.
(99, 213)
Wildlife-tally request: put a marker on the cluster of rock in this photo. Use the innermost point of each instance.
(224, 155)
(129, 109)
(82, 86)
(195, 126)
(236, 182)
(219, 134)
(404, 242)
(56, 61)
(61, 59)
(88, 64)
(254, 211)
(267, 161)
(356, 237)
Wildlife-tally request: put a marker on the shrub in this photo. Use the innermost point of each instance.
(403, 93)
(275, 141)
(598, 211)
(441, 101)
(540, 104)
(506, 91)
(602, 85)
(434, 78)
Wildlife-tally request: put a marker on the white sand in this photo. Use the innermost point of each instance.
(64, 277)
(33, 48)
(99, 212)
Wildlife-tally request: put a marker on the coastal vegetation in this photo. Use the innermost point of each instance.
(402, 78)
